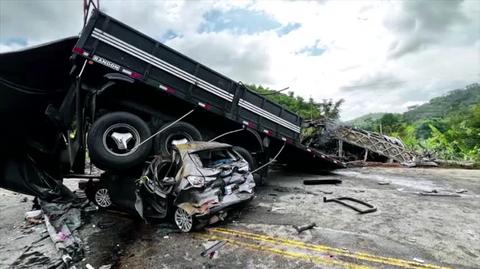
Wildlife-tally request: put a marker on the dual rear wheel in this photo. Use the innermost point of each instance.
(118, 140)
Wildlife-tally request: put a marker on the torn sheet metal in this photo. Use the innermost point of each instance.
(212, 178)
(203, 178)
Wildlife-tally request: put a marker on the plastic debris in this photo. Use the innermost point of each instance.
(418, 260)
(36, 214)
(210, 251)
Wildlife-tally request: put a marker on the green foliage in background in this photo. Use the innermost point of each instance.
(307, 109)
(448, 126)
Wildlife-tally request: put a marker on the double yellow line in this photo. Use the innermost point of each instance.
(325, 259)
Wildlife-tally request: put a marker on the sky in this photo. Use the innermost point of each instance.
(380, 56)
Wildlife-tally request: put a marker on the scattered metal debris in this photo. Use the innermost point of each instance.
(439, 194)
(340, 200)
(418, 260)
(34, 216)
(357, 191)
(326, 192)
(435, 192)
(321, 181)
(304, 227)
(277, 209)
(210, 251)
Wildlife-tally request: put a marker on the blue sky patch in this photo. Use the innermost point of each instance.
(315, 50)
(168, 36)
(14, 40)
(240, 21)
(288, 28)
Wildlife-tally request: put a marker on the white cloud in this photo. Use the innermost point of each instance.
(379, 55)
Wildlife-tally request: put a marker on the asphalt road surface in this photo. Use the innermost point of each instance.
(409, 230)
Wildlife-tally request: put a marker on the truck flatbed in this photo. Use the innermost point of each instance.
(111, 43)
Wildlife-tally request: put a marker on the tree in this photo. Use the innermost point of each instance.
(391, 123)
(330, 109)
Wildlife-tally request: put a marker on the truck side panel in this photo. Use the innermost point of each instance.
(123, 49)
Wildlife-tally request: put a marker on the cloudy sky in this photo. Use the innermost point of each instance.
(377, 55)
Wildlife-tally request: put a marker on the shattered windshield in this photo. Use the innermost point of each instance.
(217, 157)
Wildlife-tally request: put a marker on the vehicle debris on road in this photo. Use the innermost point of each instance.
(34, 216)
(212, 249)
(340, 200)
(305, 227)
(321, 181)
(439, 194)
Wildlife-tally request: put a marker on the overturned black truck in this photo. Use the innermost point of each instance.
(123, 98)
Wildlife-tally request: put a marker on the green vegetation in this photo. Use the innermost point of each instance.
(306, 109)
(366, 120)
(448, 126)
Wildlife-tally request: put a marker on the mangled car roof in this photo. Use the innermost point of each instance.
(200, 146)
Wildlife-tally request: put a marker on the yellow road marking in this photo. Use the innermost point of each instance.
(327, 249)
(287, 254)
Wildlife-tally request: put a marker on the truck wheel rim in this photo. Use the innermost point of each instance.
(121, 139)
(102, 198)
(176, 136)
(183, 220)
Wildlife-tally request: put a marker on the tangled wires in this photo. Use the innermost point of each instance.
(155, 178)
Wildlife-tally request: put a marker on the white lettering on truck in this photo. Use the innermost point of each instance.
(106, 62)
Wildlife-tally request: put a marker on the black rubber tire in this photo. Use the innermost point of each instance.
(247, 156)
(182, 129)
(91, 191)
(103, 158)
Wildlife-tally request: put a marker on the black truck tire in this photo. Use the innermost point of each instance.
(112, 140)
(177, 131)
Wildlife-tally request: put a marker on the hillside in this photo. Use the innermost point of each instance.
(436, 108)
(448, 126)
(441, 106)
(365, 120)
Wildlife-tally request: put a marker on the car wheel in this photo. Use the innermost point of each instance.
(113, 141)
(178, 131)
(183, 220)
(102, 198)
(99, 194)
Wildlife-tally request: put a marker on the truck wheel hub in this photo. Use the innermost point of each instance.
(121, 139)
